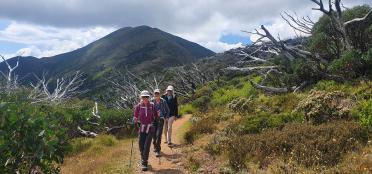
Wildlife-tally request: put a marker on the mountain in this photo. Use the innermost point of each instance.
(140, 49)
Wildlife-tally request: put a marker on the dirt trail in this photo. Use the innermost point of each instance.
(170, 161)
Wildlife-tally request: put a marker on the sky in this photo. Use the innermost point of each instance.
(44, 28)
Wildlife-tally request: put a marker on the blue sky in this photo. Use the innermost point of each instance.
(234, 39)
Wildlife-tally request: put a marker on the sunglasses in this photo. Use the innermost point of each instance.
(145, 97)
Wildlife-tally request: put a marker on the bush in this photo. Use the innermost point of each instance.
(241, 105)
(204, 91)
(277, 103)
(363, 112)
(187, 109)
(350, 65)
(321, 106)
(201, 124)
(218, 143)
(309, 71)
(262, 121)
(115, 117)
(30, 139)
(201, 103)
(223, 96)
(306, 144)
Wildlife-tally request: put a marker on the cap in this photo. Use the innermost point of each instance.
(170, 88)
(145, 93)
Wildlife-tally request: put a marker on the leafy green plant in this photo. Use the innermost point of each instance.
(262, 121)
(363, 112)
(350, 64)
(30, 139)
(187, 109)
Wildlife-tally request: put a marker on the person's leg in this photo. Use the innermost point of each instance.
(147, 146)
(159, 133)
(170, 123)
(154, 140)
(141, 143)
(166, 129)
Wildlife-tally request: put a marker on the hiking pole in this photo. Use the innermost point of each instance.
(131, 149)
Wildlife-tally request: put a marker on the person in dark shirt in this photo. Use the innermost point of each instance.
(172, 102)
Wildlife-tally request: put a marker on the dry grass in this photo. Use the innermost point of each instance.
(102, 157)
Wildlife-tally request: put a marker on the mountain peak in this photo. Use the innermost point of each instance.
(140, 48)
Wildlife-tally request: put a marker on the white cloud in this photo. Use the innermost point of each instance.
(53, 27)
(45, 41)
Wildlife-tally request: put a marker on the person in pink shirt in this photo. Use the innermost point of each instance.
(146, 115)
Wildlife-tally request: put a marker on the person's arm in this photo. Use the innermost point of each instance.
(176, 106)
(167, 110)
(136, 114)
(155, 113)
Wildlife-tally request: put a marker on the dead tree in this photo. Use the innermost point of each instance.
(303, 25)
(65, 88)
(128, 86)
(188, 78)
(344, 29)
(266, 42)
(11, 79)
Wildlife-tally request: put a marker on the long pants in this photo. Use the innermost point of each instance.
(168, 128)
(158, 133)
(144, 146)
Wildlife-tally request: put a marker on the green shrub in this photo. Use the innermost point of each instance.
(115, 117)
(321, 106)
(187, 109)
(204, 91)
(30, 138)
(350, 65)
(363, 112)
(218, 143)
(262, 121)
(201, 124)
(306, 144)
(201, 103)
(277, 103)
(309, 71)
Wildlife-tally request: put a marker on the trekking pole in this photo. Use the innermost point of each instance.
(131, 149)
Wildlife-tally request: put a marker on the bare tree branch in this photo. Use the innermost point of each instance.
(64, 89)
(11, 79)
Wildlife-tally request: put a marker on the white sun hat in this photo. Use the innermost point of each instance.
(170, 88)
(145, 93)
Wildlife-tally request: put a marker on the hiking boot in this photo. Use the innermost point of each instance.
(157, 154)
(144, 167)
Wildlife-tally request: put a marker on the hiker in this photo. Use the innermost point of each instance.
(162, 109)
(171, 100)
(145, 114)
